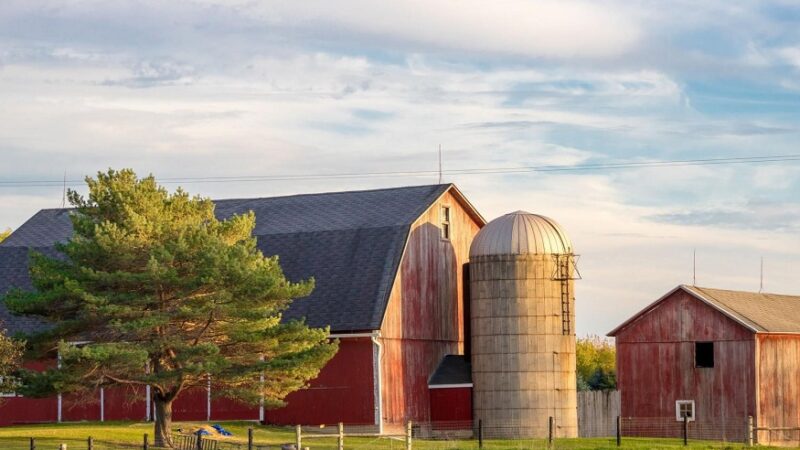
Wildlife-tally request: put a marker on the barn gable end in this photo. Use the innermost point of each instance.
(425, 316)
(656, 365)
(681, 315)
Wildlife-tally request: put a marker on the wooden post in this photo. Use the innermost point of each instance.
(686, 430)
(250, 438)
(341, 436)
(408, 435)
(199, 442)
(619, 431)
(145, 442)
(480, 433)
(33, 444)
(298, 437)
(90, 443)
(750, 432)
(550, 425)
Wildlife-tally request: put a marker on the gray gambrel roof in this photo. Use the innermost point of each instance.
(758, 312)
(350, 242)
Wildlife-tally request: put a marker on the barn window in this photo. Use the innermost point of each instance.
(6, 394)
(445, 222)
(704, 354)
(684, 408)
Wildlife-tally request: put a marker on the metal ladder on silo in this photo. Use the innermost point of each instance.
(562, 274)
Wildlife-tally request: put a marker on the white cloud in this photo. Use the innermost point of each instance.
(256, 88)
(542, 28)
(790, 55)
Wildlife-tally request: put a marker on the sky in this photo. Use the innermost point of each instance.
(240, 88)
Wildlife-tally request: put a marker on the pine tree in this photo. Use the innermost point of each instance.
(162, 293)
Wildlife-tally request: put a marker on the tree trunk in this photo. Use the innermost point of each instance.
(163, 422)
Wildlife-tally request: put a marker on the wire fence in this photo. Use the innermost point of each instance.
(627, 432)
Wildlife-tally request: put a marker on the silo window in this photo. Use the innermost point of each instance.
(704, 354)
(445, 222)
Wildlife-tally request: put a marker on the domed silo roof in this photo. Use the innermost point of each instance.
(521, 233)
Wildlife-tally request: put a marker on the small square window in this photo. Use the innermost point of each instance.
(445, 216)
(7, 394)
(684, 408)
(704, 354)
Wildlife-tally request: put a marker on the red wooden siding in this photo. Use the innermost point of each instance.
(227, 409)
(125, 403)
(424, 320)
(18, 410)
(451, 405)
(343, 392)
(778, 384)
(655, 364)
(76, 408)
(191, 404)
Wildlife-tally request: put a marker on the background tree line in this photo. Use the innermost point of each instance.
(596, 361)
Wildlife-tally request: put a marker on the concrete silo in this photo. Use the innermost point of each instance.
(522, 312)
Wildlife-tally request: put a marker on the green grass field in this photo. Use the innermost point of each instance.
(75, 435)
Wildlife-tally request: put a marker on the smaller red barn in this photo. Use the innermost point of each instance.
(715, 355)
(450, 389)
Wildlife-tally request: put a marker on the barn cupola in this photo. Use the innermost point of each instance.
(522, 311)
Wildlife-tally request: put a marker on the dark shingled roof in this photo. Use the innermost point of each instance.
(14, 274)
(350, 242)
(454, 369)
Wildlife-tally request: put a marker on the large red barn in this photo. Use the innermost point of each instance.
(716, 355)
(389, 267)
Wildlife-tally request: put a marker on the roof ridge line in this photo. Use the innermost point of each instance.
(727, 308)
(749, 292)
(353, 191)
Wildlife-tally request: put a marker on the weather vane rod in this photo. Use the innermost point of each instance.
(440, 163)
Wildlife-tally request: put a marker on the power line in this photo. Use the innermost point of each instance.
(467, 171)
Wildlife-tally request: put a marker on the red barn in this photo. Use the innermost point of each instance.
(451, 393)
(718, 356)
(389, 270)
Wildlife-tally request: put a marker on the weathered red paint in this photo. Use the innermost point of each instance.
(778, 385)
(655, 365)
(343, 391)
(424, 320)
(451, 405)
